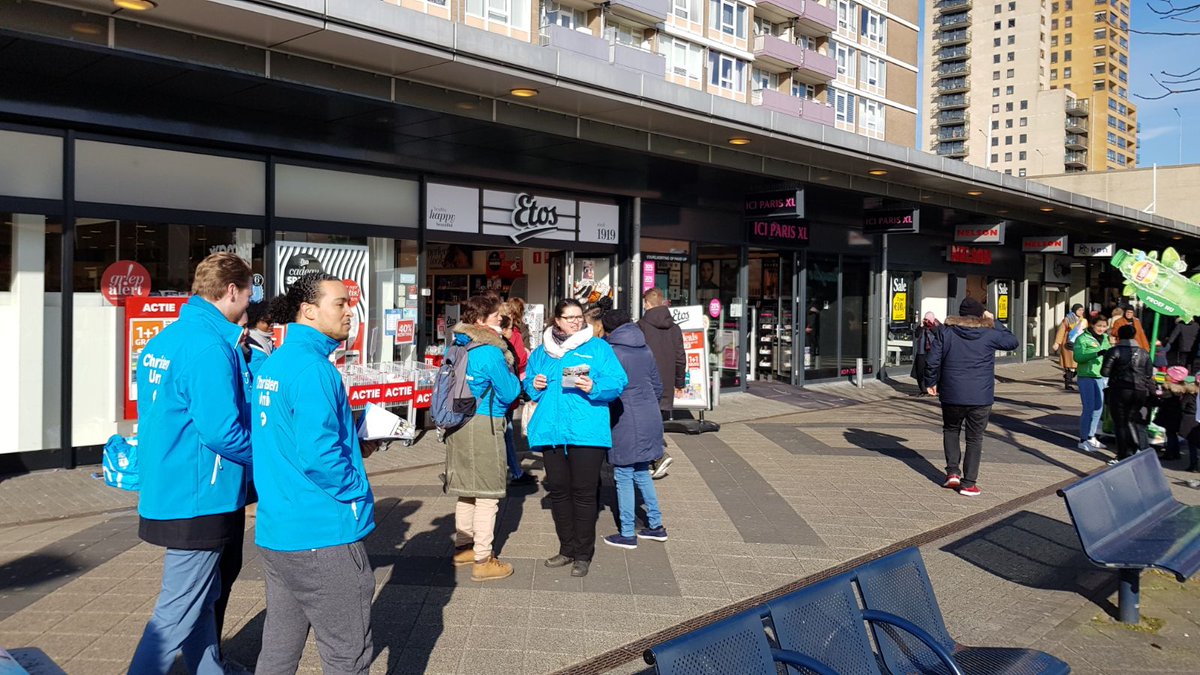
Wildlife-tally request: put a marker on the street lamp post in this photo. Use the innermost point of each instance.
(1041, 162)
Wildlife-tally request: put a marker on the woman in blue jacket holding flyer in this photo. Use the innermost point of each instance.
(572, 377)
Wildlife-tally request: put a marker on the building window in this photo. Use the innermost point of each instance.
(846, 18)
(846, 58)
(873, 73)
(684, 58)
(1066, 73)
(1024, 104)
(1008, 156)
(1008, 140)
(1053, 74)
(995, 124)
(995, 107)
(728, 17)
(995, 74)
(726, 72)
(1008, 74)
(995, 92)
(805, 91)
(1012, 56)
(1067, 39)
(1022, 155)
(874, 27)
(514, 13)
(1008, 91)
(995, 42)
(1023, 138)
(688, 10)
(1012, 23)
(1066, 55)
(1012, 39)
(843, 107)
(995, 141)
(761, 79)
(1021, 173)
(1067, 22)
(567, 17)
(625, 34)
(872, 118)
(1024, 122)
(1008, 123)
(995, 58)
(995, 156)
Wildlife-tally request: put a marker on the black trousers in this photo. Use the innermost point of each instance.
(1129, 424)
(976, 419)
(572, 474)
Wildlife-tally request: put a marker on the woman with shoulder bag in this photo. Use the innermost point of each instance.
(1071, 327)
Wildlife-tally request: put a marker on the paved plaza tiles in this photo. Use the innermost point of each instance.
(796, 484)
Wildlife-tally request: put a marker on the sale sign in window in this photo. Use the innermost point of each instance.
(144, 318)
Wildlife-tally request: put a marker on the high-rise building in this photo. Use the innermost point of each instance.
(844, 63)
(1089, 56)
(988, 91)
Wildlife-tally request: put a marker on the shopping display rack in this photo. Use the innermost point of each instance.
(392, 385)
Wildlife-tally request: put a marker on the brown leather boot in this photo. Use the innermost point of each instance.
(490, 570)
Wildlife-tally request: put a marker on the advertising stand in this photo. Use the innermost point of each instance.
(697, 392)
(391, 385)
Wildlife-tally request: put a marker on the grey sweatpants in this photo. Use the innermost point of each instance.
(329, 589)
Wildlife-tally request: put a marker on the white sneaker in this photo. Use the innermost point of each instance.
(1095, 443)
(1086, 447)
(661, 469)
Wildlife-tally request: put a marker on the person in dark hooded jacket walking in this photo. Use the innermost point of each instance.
(960, 370)
(665, 340)
(637, 430)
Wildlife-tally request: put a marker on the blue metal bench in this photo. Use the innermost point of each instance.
(822, 629)
(825, 622)
(1127, 520)
(734, 645)
(898, 586)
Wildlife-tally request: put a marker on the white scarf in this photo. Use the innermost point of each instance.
(558, 351)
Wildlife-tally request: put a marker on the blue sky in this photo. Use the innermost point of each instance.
(1151, 54)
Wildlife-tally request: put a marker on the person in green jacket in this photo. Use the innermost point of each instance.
(1089, 351)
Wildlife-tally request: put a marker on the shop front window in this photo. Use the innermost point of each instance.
(31, 312)
(822, 317)
(117, 263)
(667, 264)
(855, 303)
(718, 270)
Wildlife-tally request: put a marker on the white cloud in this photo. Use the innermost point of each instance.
(1154, 132)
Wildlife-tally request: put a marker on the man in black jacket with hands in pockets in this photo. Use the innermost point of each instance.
(960, 369)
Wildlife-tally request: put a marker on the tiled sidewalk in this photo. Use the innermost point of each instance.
(768, 500)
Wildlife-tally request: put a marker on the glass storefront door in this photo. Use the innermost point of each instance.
(718, 276)
(772, 301)
(821, 316)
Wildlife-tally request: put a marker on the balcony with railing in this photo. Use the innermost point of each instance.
(1076, 125)
(571, 40)
(952, 53)
(1076, 159)
(954, 68)
(950, 117)
(954, 37)
(943, 6)
(1075, 141)
(953, 134)
(951, 101)
(962, 19)
(1077, 107)
(952, 85)
(644, 12)
(806, 109)
(637, 59)
(952, 149)
(812, 18)
(779, 55)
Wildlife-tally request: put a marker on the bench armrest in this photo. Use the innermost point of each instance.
(876, 616)
(801, 661)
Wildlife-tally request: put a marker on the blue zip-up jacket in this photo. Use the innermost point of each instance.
(193, 443)
(571, 417)
(312, 486)
(490, 364)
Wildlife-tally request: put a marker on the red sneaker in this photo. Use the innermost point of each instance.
(952, 481)
(972, 491)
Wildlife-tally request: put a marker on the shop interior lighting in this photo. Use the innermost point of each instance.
(878, 172)
(739, 140)
(86, 28)
(523, 92)
(135, 5)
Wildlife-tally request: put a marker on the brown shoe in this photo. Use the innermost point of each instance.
(464, 555)
(490, 570)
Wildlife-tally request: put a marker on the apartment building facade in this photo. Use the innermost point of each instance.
(1089, 56)
(989, 94)
(847, 64)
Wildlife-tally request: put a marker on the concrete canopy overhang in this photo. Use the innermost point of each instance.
(390, 56)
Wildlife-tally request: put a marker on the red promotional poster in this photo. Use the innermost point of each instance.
(392, 393)
(124, 279)
(406, 331)
(144, 318)
(353, 290)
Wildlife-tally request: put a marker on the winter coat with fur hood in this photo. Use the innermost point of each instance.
(962, 359)
(491, 373)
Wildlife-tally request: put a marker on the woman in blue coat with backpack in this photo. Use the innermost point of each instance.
(637, 430)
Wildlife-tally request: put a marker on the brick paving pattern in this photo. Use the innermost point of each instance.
(793, 484)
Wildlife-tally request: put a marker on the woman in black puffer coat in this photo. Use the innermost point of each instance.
(637, 431)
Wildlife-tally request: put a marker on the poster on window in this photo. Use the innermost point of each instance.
(693, 323)
(144, 318)
(348, 262)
